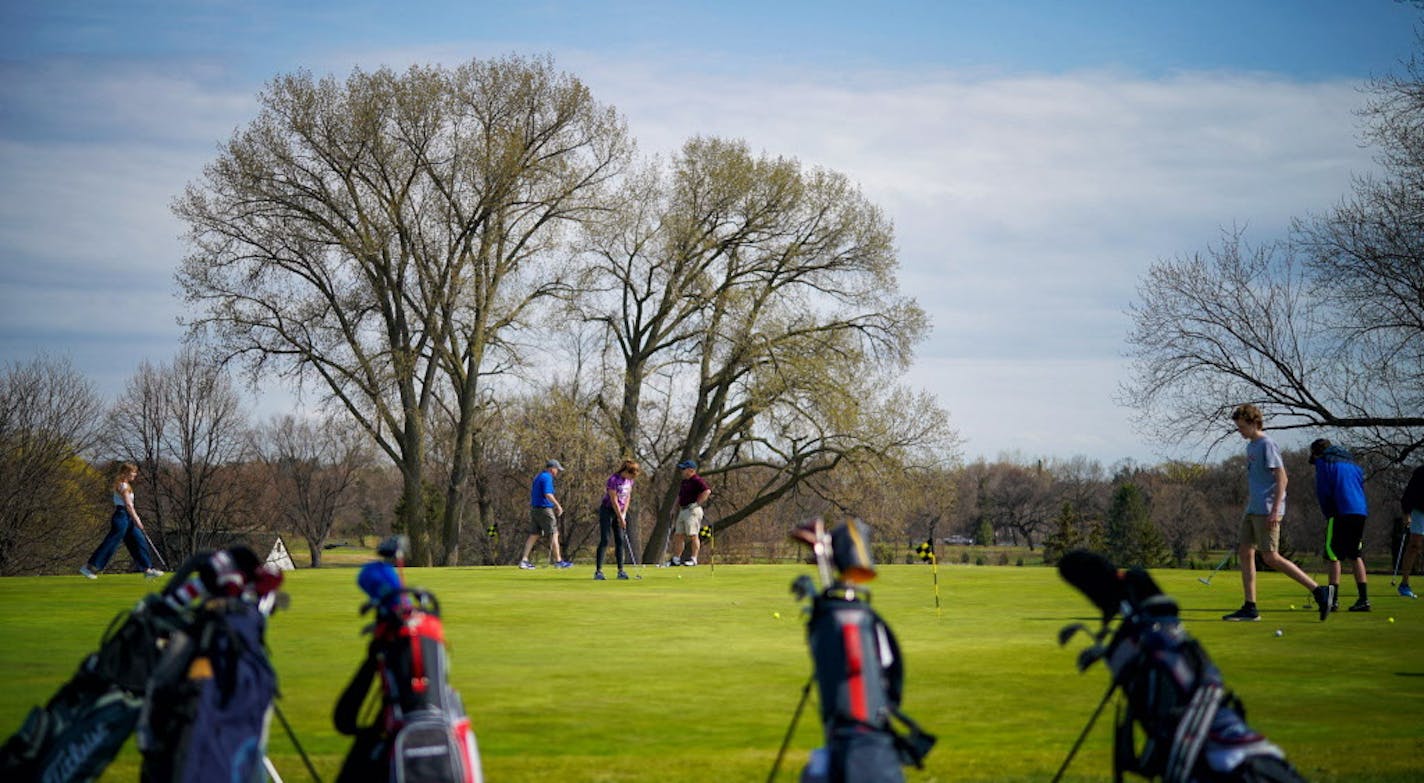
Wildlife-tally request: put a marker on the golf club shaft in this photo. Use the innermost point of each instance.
(1399, 556)
(790, 730)
(300, 750)
(159, 557)
(628, 543)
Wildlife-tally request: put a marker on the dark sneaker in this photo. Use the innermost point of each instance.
(598, 576)
(1361, 605)
(563, 564)
(622, 574)
(1324, 597)
(1246, 614)
(1405, 592)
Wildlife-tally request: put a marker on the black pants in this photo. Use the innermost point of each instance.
(607, 521)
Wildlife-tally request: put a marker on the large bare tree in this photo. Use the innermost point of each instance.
(761, 296)
(313, 466)
(372, 237)
(1324, 329)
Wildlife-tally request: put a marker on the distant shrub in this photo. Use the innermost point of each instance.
(1003, 558)
(1019, 563)
(978, 560)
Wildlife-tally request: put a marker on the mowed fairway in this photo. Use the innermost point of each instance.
(688, 675)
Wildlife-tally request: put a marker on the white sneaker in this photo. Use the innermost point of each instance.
(691, 561)
(88, 572)
(526, 565)
(677, 561)
(152, 573)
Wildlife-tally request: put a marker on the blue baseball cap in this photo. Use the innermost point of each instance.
(687, 463)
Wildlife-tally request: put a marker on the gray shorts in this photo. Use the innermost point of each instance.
(1257, 531)
(541, 521)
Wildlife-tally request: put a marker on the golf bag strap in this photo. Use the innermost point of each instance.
(1192, 732)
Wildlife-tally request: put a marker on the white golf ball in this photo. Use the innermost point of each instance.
(1279, 632)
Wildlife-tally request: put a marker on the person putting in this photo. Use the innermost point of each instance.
(691, 496)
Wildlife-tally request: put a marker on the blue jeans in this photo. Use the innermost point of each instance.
(121, 528)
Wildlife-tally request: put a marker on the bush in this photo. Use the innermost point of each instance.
(1019, 563)
(978, 560)
(1003, 558)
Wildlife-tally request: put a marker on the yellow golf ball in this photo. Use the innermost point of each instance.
(777, 615)
(1292, 606)
(1391, 619)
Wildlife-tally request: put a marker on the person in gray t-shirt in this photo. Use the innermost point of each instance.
(1265, 507)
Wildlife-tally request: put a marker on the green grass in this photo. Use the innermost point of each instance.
(573, 680)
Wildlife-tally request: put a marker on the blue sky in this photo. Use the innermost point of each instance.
(1035, 157)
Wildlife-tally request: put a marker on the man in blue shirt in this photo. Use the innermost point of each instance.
(1261, 522)
(544, 513)
(1340, 488)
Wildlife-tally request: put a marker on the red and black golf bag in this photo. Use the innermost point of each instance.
(1193, 729)
(76, 735)
(415, 728)
(859, 671)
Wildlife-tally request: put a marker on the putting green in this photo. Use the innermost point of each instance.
(695, 679)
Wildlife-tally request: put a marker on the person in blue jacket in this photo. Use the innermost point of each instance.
(1340, 488)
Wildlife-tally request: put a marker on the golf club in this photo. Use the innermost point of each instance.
(1207, 579)
(1403, 540)
(663, 560)
(790, 730)
(631, 555)
(163, 563)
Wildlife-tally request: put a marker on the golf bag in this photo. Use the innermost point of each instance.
(78, 732)
(419, 731)
(1194, 730)
(860, 678)
(208, 702)
(76, 735)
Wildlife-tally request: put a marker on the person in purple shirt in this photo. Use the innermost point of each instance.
(1261, 522)
(691, 496)
(1340, 488)
(617, 493)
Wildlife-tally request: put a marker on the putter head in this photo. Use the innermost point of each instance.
(1204, 580)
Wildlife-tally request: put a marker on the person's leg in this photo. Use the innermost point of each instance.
(605, 526)
(676, 549)
(118, 527)
(1246, 553)
(1284, 565)
(528, 547)
(1411, 554)
(554, 547)
(138, 548)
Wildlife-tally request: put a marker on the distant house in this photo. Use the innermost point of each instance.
(959, 540)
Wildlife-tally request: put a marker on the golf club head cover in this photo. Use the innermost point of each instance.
(1095, 578)
(850, 551)
(381, 584)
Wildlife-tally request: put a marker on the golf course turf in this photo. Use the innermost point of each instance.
(688, 675)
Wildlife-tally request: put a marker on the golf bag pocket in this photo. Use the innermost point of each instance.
(433, 747)
(74, 737)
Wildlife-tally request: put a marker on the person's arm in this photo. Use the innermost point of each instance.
(1278, 503)
(1324, 492)
(128, 504)
(704, 494)
(617, 507)
(558, 509)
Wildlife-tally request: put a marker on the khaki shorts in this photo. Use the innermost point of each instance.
(1257, 531)
(689, 520)
(541, 521)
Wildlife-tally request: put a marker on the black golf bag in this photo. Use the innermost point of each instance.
(1193, 729)
(860, 678)
(76, 735)
(415, 728)
(83, 726)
